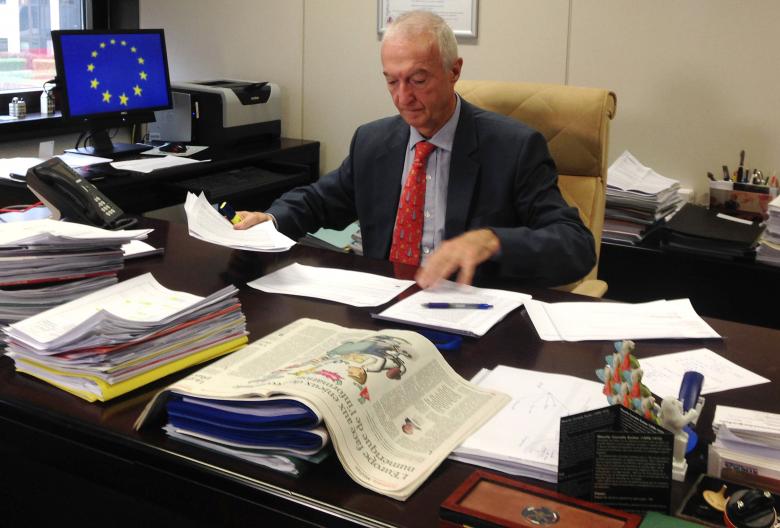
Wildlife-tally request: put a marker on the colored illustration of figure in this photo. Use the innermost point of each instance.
(380, 353)
(409, 426)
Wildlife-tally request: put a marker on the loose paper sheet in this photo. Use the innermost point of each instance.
(591, 321)
(663, 374)
(349, 287)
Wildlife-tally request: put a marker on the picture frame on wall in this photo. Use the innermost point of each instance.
(461, 15)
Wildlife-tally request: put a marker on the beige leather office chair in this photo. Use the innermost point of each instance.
(575, 122)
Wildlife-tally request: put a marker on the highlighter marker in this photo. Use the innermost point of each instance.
(226, 210)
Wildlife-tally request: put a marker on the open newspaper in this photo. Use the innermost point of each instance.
(393, 407)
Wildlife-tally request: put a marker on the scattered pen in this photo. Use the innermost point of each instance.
(711, 176)
(472, 306)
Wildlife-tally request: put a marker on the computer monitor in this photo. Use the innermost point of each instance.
(108, 79)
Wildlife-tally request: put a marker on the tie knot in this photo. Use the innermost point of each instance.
(422, 150)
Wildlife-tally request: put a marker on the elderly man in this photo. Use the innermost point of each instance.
(444, 184)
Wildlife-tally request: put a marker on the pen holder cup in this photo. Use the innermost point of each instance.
(742, 200)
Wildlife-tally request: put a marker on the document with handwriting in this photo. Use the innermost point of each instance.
(663, 374)
(522, 438)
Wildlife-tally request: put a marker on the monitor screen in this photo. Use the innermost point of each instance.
(101, 73)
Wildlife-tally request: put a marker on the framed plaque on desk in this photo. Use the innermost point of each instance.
(488, 500)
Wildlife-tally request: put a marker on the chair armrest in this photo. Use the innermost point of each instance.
(591, 288)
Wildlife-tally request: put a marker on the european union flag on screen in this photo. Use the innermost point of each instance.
(114, 72)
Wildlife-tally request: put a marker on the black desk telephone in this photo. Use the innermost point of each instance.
(69, 196)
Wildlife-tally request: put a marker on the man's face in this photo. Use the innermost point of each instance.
(422, 90)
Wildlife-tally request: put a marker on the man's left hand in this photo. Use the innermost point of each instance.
(462, 254)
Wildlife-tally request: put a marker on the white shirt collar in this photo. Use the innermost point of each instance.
(444, 137)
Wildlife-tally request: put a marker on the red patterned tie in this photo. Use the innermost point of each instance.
(409, 221)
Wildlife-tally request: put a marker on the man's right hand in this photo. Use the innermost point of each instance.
(250, 218)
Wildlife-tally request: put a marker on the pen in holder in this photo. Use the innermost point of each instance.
(744, 200)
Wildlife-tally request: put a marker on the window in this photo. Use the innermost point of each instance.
(26, 59)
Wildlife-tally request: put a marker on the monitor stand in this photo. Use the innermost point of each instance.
(103, 146)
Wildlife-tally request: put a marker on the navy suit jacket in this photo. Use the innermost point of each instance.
(501, 177)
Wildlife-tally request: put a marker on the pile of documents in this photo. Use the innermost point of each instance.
(638, 198)
(522, 439)
(384, 397)
(119, 338)
(44, 263)
(205, 223)
(768, 250)
(695, 229)
(464, 320)
(746, 447)
(332, 239)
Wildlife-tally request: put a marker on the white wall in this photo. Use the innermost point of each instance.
(259, 40)
(695, 80)
(343, 83)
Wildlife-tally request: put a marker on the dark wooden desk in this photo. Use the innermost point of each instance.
(292, 162)
(726, 289)
(62, 458)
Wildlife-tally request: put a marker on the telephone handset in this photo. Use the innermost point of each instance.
(69, 196)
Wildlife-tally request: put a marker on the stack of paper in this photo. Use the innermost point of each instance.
(205, 223)
(746, 447)
(768, 250)
(17, 303)
(466, 321)
(695, 229)
(121, 337)
(637, 199)
(44, 263)
(394, 409)
(522, 439)
(332, 239)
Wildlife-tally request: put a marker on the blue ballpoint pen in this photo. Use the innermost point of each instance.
(473, 306)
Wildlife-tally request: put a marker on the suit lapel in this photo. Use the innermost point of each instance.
(464, 170)
(387, 188)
